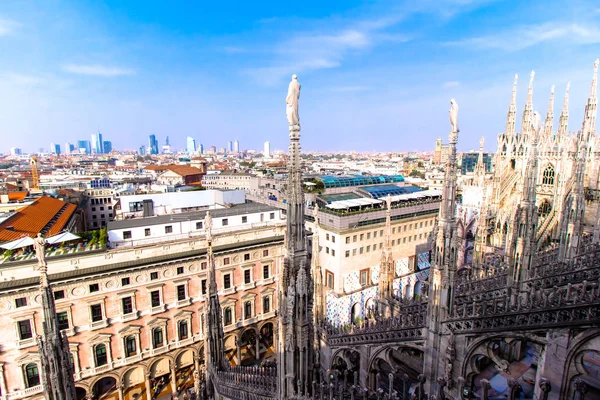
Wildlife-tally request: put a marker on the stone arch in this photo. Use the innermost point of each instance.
(185, 358)
(230, 346)
(133, 376)
(267, 334)
(356, 312)
(574, 368)
(80, 392)
(247, 344)
(102, 384)
(160, 367)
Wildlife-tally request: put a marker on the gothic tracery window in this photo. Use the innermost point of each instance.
(548, 178)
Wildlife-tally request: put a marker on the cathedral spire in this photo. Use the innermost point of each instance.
(590, 107)
(563, 123)
(387, 271)
(549, 116)
(317, 271)
(528, 111)
(214, 347)
(479, 171)
(57, 369)
(512, 110)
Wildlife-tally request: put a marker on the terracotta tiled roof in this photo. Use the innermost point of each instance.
(156, 167)
(44, 213)
(17, 196)
(184, 170)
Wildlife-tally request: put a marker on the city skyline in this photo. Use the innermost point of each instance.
(380, 69)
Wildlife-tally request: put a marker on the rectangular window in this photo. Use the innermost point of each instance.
(179, 270)
(347, 239)
(183, 330)
(393, 230)
(226, 261)
(203, 265)
(199, 225)
(126, 235)
(374, 234)
(125, 281)
(327, 236)
(127, 304)
(101, 208)
(203, 286)
(130, 346)
(246, 256)
(362, 249)
(332, 239)
(393, 242)
(368, 235)
(169, 229)
(96, 310)
(368, 248)
(63, 320)
(21, 302)
(353, 252)
(155, 298)
(153, 276)
(333, 252)
(25, 329)
(248, 310)
(94, 287)
(364, 277)
(59, 294)
(147, 232)
(410, 227)
(354, 238)
(227, 316)
(265, 271)
(181, 295)
(362, 236)
(266, 253)
(329, 280)
(157, 336)
(272, 215)
(404, 240)
(421, 225)
(224, 222)
(93, 208)
(420, 236)
(381, 232)
(327, 250)
(244, 219)
(347, 253)
(247, 276)
(404, 228)
(266, 304)
(227, 281)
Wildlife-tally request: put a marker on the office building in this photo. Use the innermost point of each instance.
(84, 146)
(191, 145)
(142, 150)
(97, 143)
(107, 145)
(230, 146)
(15, 151)
(267, 150)
(152, 144)
(236, 147)
(55, 148)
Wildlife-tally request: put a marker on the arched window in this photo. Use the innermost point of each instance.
(183, 330)
(32, 375)
(130, 346)
(545, 208)
(100, 354)
(157, 337)
(548, 178)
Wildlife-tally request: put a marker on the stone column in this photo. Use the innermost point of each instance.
(364, 366)
(239, 351)
(3, 380)
(120, 388)
(148, 388)
(173, 379)
(258, 347)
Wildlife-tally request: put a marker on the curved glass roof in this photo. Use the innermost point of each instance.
(377, 192)
(332, 181)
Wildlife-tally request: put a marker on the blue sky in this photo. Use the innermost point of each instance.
(376, 76)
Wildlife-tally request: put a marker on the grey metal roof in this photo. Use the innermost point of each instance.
(238, 209)
(144, 262)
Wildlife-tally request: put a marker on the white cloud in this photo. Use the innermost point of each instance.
(7, 26)
(22, 79)
(451, 84)
(527, 36)
(97, 70)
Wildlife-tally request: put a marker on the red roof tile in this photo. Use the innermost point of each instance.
(17, 196)
(32, 219)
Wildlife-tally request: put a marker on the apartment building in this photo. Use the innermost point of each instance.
(134, 315)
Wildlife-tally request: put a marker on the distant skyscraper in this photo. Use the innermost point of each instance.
(167, 141)
(267, 150)
(107, 145)
(69, 148)
(191, 145)
(97, 143)
(152, 144)
(230, 146)
(15, 151)
(55, 148)
(142, 150)
(84, 146)
(201, 148)
(236, 147)
(213, 149)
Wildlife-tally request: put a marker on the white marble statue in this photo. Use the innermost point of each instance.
(39, 244)
(454, 115)
(536, 123)
(291, 102)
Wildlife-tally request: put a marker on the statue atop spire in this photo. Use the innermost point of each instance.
(592, 103)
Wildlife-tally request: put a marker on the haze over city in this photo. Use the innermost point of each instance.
(217, 72)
